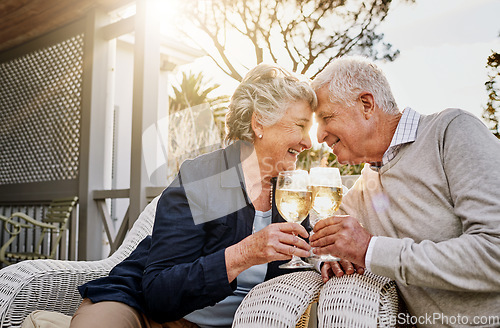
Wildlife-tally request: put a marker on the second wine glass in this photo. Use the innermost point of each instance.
(293, 200)
(325, 184)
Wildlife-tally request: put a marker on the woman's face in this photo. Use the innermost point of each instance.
(281, 142)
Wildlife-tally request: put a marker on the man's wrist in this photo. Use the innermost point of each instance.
(369, 253)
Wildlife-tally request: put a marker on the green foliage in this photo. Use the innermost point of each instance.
(322, 156)
(194, 90)
(492, 111)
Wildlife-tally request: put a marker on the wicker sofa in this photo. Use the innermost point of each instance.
(51, 285)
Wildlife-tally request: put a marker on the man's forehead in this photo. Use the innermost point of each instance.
(323, 111)
(323, 94)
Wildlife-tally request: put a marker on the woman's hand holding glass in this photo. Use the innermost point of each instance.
(276, 242)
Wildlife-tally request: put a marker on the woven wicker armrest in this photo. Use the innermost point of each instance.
(44, 285)
(279, 302)
(52, 284)
(357, 300)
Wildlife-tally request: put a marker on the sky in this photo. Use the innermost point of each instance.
(444, 46)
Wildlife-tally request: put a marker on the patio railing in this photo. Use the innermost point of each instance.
(66, 249)
(115, 228)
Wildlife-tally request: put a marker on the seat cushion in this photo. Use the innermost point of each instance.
(46, 319)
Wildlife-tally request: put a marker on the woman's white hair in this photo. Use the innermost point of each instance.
(347, 77)
(266, 90)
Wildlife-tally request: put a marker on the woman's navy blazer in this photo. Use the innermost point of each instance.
(181, 267)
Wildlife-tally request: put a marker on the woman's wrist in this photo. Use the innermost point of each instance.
(236, 261)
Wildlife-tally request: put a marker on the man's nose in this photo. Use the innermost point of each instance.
(321, 133)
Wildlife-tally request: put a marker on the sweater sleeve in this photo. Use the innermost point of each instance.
(470, 156)
(179, 277)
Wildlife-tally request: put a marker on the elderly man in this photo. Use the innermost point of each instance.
(426, 209)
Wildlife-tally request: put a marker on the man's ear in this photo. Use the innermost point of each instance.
(256, 125)
(368, 104)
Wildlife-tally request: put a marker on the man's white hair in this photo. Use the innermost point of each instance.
(348, 77)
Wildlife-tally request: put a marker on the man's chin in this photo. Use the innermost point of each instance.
(342, 160)
(348, 162)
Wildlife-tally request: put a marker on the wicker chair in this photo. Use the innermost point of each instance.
(51, 285)
(284, 301)
(54, 224)
(356, 300)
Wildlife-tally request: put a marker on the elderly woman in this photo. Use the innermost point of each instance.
(217, 232)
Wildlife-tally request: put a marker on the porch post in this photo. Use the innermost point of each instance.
(145, 103)
(93, 135)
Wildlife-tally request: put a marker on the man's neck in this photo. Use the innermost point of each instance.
(385, 128)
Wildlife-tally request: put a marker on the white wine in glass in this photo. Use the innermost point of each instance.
(325, 184)
(293, 200)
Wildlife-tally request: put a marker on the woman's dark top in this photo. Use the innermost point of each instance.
(181, 267)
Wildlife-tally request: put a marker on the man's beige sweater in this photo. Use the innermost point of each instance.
(436, 206)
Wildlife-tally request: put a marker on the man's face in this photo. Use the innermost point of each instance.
(344, 129)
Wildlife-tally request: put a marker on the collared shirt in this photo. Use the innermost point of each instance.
(406, 132)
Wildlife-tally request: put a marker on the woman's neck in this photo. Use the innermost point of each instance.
(257, 180)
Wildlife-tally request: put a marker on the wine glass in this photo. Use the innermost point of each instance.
(293, 200)
(326, 187)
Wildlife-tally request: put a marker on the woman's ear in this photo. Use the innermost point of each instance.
(368, 104)
(257, 127)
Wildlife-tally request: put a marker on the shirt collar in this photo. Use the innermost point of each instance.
(406, 132)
